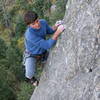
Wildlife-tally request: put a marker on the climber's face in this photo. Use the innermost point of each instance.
(36, 24)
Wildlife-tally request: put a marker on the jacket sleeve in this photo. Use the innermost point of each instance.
(42, 43)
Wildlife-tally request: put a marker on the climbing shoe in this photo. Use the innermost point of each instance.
(32, 81)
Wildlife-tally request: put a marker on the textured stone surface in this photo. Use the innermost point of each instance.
(72, 71)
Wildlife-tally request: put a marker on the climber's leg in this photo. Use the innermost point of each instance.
(30, 67)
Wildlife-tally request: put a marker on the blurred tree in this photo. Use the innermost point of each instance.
(20, 26)
(14, 59)
(5, 17)
(3, 48)
(7, 79)
(59, 12)
(6, 92)
(25, 91)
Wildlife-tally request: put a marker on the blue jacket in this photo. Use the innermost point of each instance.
(35, 41)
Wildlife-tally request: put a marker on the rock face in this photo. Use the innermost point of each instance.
(72, 71)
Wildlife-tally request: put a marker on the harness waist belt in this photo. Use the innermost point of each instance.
(34, 55)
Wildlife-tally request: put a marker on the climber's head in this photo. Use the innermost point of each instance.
(31, 19)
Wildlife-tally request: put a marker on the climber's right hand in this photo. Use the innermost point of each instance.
(59, 30)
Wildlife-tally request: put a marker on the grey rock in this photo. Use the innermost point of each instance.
(72, 71)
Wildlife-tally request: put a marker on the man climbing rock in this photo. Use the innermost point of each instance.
(36, 44)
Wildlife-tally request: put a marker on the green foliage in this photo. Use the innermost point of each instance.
(25, 91)
(21, 44)
(22, 4)
(20, 26)
(41, 6)
(3, 48)
(14, 58)
(9, 62)
(58, 14)
(6, 92)
(10, 70)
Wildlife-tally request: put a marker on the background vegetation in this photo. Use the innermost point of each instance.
(12, 28)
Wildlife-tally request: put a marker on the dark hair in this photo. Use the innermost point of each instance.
(30, 17)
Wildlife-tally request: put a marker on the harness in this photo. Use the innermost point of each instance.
(38, 57)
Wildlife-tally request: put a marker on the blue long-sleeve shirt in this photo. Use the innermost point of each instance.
(35, 42)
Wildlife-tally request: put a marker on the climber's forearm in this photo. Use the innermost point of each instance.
(56, 35)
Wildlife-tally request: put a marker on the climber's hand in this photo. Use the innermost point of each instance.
(60, 28)
(60, 22)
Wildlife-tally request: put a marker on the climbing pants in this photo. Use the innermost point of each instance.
(29, 61)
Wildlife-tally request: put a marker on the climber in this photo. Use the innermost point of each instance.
(36, 45)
